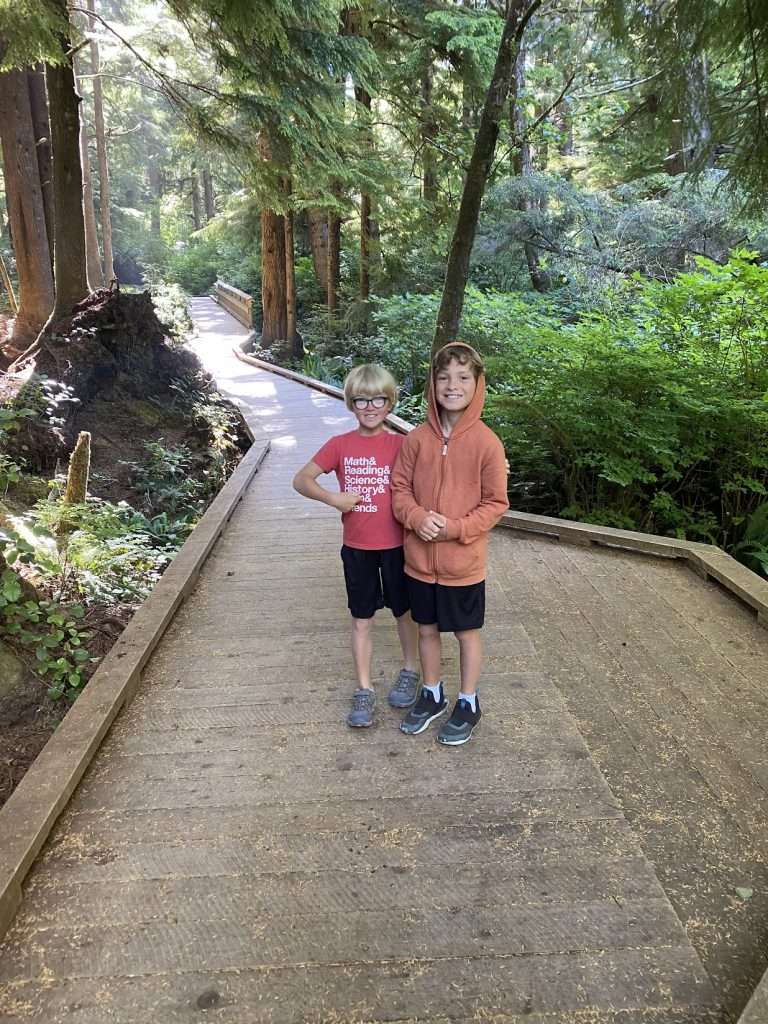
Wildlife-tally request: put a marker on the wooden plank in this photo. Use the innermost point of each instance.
(666, 985)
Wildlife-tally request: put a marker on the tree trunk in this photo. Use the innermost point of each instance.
(690, 132)
(156, 192)
(26, 211)
(273, 289)
(42, 129)
(523, 165)
(318, 241)
(457, 271)
(291, 333)
(197, 206)
(334, 253)
(93, 268)
(208, 198)
(364, 100)
(101, 151)
(69, 227)
(429, 173)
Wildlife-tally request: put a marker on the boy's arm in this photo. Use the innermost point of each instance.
(305, 482)
(493, 501)
(404, 505)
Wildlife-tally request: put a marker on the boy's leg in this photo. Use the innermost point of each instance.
(364, 698)
(430, 653)
(464, 608)
(409, 642)
(431, 703)
(405, 689)
(362, 651)
(361, 575)
(470, 658)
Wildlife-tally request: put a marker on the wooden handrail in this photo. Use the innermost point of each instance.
(235, 301)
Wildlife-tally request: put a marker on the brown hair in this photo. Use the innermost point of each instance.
(462, 354)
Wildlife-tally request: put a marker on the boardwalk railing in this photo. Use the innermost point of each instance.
(238, 303)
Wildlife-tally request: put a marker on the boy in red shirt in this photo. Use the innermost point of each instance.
(372, 551)
(449, 489)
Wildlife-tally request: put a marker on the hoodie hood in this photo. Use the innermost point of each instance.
(474, 410)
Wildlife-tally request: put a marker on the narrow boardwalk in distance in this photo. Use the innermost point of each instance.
(237, 854)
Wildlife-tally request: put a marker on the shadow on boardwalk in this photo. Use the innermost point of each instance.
(237, 854)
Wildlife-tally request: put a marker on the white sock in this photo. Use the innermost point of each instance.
(470, 698)
(436, 691)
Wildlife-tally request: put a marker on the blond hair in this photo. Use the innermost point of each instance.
(367, 381)
(463, 354)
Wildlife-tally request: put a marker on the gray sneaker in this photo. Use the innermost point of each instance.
(363, 703)
(405, 689)
(460, 726)
(424, 711)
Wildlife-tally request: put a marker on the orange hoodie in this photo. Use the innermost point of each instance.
(464, 477)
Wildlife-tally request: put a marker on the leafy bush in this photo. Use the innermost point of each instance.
(170, 304)
(657, 421)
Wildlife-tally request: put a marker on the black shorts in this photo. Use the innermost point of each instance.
(375, 579)
(451, 609)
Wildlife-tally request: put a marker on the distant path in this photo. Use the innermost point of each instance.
(236, 854)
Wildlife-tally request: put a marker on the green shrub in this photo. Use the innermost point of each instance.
(657, 421)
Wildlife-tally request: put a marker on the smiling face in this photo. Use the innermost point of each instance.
(370, 419)
(455, 387)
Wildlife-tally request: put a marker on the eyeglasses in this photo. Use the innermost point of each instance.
(363, 403)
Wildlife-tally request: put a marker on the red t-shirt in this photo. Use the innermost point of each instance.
(363, 465)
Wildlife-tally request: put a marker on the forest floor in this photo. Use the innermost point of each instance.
(120, 423)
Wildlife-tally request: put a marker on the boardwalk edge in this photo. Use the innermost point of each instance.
(31, 811)
(756, 1010)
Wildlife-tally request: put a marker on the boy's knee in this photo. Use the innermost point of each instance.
(362, 625)
(428, 630)
(467, 635)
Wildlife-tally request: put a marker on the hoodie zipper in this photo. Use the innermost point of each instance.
(443, 453)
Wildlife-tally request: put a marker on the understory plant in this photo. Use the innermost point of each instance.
(656, 420)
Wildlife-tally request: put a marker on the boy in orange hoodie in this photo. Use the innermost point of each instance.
(449, 488)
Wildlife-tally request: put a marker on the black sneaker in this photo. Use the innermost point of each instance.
(424, 711)
(459, 727)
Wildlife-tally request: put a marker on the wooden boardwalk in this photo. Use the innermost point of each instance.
(596, 855)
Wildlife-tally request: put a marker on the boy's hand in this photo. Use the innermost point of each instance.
(432, 526)
(346, 501)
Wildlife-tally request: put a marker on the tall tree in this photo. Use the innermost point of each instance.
(69, 225)
(42, 129)
(519, 14)
(26, 208)
(101, 149)
(94, 271)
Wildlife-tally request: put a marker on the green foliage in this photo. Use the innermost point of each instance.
(11, 418)
(654, 421)
(195, 267)
(31, 31)
(170, 304)
(164, 482)
(50, 630)
(752, 549)
(91, 551)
